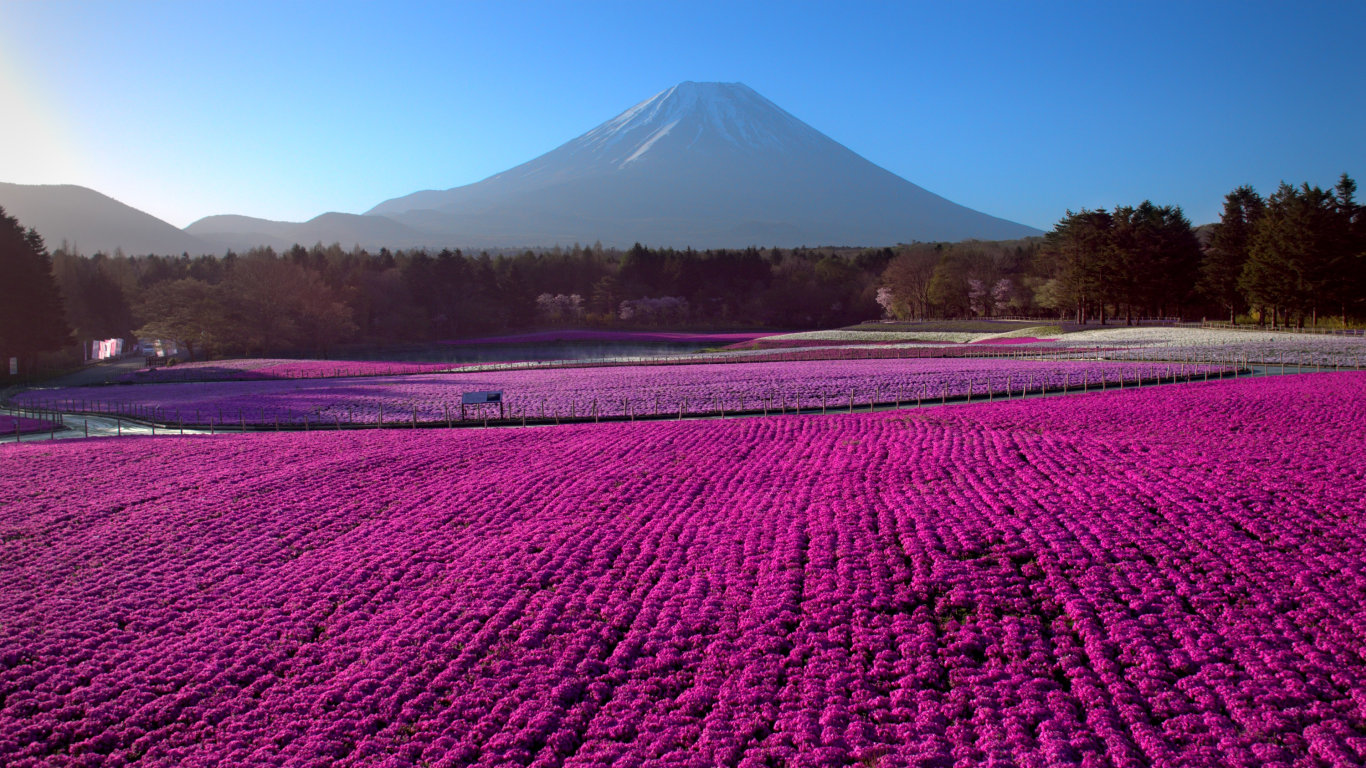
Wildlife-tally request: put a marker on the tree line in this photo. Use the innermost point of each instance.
(1294, 257)
(310, 300)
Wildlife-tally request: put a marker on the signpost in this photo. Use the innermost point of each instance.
(482, 398)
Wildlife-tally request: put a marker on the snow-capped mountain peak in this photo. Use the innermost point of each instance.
(699, 164)
(697, 116)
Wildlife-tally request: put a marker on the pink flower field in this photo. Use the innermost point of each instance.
(22, 425)
(610, 391)
(1170, 576)
(781, 343)
(680, 337)
(258, 369)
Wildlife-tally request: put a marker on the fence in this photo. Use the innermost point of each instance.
(1162, 366)
(1070, 320)
(971, 387)
(1285, 329)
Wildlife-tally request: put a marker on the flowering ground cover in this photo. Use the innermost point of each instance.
(22, 425)
(611, 391)
(1203, 343)
(786, 343)
(679, 337)
(1166, 577)
(1036, 349)
(264, 369)
(849, 335)
(1013, 340)
(258, 369)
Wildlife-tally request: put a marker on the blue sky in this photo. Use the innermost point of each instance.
(1021, 110)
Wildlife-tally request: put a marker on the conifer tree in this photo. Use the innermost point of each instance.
(1351, 247)
(1228, 249)
(32, 319)
(1081, 247)
(1294, 259)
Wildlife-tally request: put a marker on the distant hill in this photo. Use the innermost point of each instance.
(242, 232)
(90, 221)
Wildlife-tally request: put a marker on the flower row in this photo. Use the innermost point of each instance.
(612, 391)
(1167, 576)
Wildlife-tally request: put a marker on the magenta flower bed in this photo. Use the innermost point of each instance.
(23, 425)
(839, 350)
(1012, 340)
(800, 343)
(1166, 577)
(680, 337)
(260, 369)
(612, 391)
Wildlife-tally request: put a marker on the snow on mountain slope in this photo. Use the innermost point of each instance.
(702, 165)
(705, 165)
(703, 112)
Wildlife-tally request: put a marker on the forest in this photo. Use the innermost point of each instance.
(1295, 257)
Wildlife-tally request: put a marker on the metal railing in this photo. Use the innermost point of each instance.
(1284, 329)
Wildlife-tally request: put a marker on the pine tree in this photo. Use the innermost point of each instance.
(1294, 262)
(32, 319)
(1351, 246)
(1081, 247)
(1175, 261)
(1228, 249)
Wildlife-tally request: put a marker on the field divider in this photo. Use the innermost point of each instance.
(718, 406)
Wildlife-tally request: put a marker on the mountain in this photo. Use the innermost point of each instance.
(242, 232)
(89, 221)
(705, 165)
(702, 165)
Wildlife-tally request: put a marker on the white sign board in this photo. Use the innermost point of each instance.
(479, 398)
(14, 366)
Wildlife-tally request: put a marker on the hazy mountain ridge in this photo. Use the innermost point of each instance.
(243, 232)
(89, 221)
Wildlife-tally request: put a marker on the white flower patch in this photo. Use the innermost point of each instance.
(956, 337)
(1253, 345)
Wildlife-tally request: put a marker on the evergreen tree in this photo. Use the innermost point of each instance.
(32, 319)
(1295, 258)
(1351, 245)
(1080, 248)
(1228, 249)
(1173, 259)
(95, 304)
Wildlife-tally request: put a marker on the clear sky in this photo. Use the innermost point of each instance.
(285, 110)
